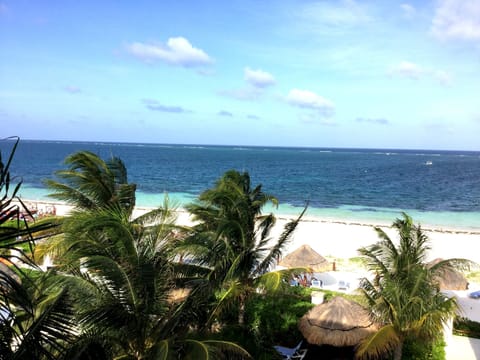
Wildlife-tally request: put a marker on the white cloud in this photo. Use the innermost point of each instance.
(309, 100)
(414, 71)
(177, 51)
(407, 69)
(259, 78)
(319, 107)
(408, 10)
(457, 19)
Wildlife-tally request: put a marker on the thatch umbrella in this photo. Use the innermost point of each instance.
(339, 322)
(449, 278)
(305, 256)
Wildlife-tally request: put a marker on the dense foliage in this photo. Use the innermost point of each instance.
(413, 349)
(36, 318)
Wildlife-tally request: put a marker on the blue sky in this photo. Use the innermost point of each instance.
(288, 73)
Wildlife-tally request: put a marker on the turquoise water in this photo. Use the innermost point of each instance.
(437, 188)
(345, 213)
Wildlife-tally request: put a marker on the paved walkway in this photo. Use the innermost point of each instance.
(462, 348)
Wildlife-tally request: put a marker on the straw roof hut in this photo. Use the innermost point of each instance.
(339, 322)
(305, 256)
(449, 278)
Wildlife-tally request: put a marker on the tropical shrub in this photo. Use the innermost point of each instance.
(270, 319)
(414, 349)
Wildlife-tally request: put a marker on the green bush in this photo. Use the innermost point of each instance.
(414, 349)
(270, 319)
(273, 318)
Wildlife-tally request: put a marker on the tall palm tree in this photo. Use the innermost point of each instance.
(124, 272)
(36, 318)
(91, 183)
(233, 240)
(404, 296)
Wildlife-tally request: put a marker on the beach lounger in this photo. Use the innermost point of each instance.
(292, 353)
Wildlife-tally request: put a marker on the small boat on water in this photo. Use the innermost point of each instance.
(428, 163)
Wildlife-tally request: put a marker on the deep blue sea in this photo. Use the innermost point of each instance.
(440, 188)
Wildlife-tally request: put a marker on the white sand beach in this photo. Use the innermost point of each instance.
(340, 239)
(335, 238)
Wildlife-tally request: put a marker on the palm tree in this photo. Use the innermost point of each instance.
(36, 318)
(232, 239)
(124, 272)
(404, 296)
(92, 183)
(125, 282)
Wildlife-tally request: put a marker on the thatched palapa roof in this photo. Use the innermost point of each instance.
(305, 256)
(449, 278)
(338, 322)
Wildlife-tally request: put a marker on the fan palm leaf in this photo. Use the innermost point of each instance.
(375, 346)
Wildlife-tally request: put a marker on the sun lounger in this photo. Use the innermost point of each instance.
(292, 353)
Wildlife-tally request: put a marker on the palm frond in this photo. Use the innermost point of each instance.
(276, 250)
(51, 330)
(227, 299)
(378, 344)
(214, 349)
(274, 280)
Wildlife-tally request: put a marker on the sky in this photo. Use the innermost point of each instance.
(355, 74)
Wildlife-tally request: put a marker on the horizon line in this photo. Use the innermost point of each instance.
(99, 142)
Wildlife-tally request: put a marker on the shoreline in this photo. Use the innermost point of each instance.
(441, 220)
(335, 238)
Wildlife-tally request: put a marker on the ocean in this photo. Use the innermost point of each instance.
(437, 188)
